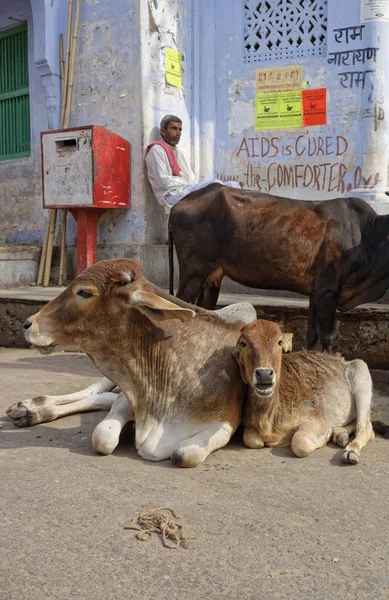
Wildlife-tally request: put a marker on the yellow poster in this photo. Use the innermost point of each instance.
(290, 110)
(266, 111)
(173, 67)
(279, 79)
(278, 111)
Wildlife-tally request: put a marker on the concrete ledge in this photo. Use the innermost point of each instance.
(18, 265)
(360, 333)
(21, 264)
(153, 258)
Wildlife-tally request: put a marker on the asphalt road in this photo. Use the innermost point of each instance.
(260, 524)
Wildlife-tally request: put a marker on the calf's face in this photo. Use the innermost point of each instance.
(259, 354)
(95, 308)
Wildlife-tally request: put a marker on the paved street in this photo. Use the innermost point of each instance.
(260, 525)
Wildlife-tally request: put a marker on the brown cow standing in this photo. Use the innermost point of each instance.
(303, 398)
(334, 251)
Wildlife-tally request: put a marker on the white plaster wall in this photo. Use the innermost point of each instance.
(164, 24)
(120, 84)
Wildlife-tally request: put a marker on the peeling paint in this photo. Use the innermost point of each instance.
(242, 117)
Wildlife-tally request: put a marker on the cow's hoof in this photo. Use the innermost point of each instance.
(21, 415)
(350, 457)
(251, 439)
(30, 412)
(342, 439)
(105, 437)
(187, 460)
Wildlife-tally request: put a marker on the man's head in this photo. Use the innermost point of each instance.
(170, 129)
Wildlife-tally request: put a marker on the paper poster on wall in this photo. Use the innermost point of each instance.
(374, 10)
(278, 111)
(290, 110)
(266, 111)
(314, 107)
(173, 67)
(279, 79)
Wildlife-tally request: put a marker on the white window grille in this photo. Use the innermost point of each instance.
(284, 29)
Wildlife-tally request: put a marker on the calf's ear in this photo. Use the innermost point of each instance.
(287, 342)
(159, 309)
(236, 355)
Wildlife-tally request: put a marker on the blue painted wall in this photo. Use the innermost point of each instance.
(349, 153)
(120, 84)
(22, 219)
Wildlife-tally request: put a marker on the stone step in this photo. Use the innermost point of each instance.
(18, 264)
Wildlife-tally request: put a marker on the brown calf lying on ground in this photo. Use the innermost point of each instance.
(303, 398)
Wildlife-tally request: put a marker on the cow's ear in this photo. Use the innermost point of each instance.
(286, 342)
(236, 355)
(159, 309)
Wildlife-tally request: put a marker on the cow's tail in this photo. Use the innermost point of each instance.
(171, 260)
(378, 425)
(381, 427)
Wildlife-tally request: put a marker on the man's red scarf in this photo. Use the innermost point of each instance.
(175, 167)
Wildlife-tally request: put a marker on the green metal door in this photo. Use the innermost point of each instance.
(14, 94)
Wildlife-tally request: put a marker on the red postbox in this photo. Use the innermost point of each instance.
(85, 170)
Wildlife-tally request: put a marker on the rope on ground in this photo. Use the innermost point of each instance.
(162, 521)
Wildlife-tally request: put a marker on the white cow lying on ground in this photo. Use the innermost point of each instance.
(303, 398)
(172, 361)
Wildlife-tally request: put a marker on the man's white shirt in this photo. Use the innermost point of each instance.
(161, 177)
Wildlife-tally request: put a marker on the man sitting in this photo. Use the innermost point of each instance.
(169, 174)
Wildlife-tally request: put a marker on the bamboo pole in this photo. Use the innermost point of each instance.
(67, 102)
(61, 62)
(67, 73)
(46, 238)
(62, 261)
(67, 63)
(44, 251)
(44, 255)
(50, 243)
(71, 65)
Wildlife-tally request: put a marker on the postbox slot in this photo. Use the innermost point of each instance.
(67, 145)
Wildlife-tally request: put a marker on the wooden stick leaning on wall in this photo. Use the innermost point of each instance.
(44, 251)
(43, 259)
(63, 67)
(53, 212)
(65, 78)
(67, 75)
(67, 100)
(50, 242)
(71, 65)
(62, 259)
(62, 262)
